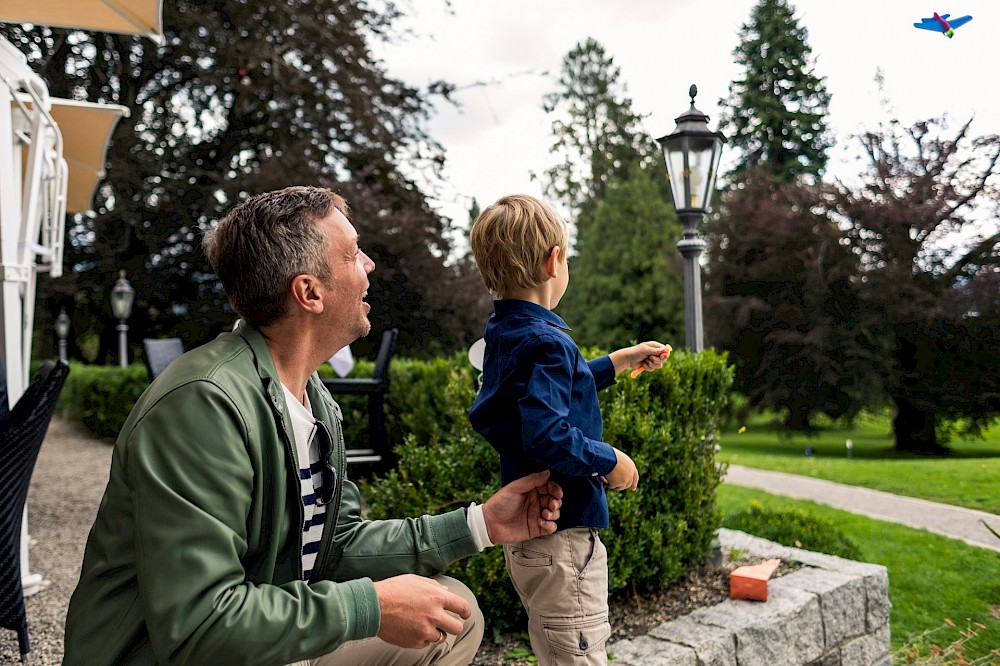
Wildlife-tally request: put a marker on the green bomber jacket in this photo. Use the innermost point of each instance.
(195, 553)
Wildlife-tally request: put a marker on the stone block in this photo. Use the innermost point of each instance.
(787, 629)
(647, 651)
(713, 646)
(877, 594)
(841, 597)
(868, 650)
(831, 658)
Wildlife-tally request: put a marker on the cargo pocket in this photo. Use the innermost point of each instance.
(577, 641)
(529, 558)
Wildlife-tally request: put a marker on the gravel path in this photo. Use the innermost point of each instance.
(66, 488)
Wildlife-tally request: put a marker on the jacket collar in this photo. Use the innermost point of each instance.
(512, 307)
(269, 374)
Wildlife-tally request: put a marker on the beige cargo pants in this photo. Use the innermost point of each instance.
(562, 580)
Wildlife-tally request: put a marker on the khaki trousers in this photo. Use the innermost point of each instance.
(454, 651)
(562, 580)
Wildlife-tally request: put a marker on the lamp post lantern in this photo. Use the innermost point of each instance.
(62, 331)
(692, 155)
(122, 296)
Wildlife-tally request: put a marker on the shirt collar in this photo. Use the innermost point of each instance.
(511, 306)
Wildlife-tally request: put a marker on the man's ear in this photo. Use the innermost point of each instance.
(307, 292)
(553, 263)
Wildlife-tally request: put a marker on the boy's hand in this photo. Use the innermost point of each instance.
(624, 476)
(643, 356)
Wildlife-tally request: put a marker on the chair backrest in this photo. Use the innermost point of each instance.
(19, 446)
(159, 353)
(385, 352)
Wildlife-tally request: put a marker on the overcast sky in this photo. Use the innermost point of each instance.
(500, 134)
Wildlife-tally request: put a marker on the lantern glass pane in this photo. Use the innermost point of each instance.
(701, 168)
(121, 303)
(674, 159)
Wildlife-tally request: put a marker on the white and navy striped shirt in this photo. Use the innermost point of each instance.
(311, 479)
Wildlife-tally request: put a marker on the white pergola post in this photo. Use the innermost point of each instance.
(35, 177)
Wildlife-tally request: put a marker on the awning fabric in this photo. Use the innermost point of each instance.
(86, 129)
(133, 17)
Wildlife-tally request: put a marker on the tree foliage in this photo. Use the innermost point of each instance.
(243, 98)
(597, 134)
(625, 280)
(927, 188)
(832, 298)
(775, 115)
(782, 301)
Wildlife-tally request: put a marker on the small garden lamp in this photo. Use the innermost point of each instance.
(122, 296)
(692, 155)
(62, 332)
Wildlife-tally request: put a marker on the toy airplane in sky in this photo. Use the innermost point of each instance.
(942, 24)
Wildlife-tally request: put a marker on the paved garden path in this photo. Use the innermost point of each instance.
(945, 519)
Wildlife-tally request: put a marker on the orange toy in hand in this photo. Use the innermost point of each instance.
(665, 354)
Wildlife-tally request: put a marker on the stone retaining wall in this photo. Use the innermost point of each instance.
(831, 612)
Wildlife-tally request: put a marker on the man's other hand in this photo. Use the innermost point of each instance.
(417, 611)
(523, 509)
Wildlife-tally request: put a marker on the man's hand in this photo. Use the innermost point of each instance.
(416, 611)
(523, 509)
(624, 476)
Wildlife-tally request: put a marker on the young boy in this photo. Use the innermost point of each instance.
(538, 408)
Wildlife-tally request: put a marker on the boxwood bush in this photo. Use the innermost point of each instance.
(101, 396)
(665, 420)
(791, 526)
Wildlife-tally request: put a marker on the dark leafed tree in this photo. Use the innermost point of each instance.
(775, 114)
(782, 300)
(925, 229)
(243, 98)
(625, 282)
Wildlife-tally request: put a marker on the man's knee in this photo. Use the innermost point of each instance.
(475, 625)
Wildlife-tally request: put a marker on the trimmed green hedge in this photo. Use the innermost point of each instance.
(793, 527)
(666, 421)
(101, 396)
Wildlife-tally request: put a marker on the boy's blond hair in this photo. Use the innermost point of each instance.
(511, 240)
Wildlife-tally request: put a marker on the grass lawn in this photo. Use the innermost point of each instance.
(931, 578)
(969, 477)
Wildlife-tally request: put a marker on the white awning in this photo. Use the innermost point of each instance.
(132, 17)
(86, 129)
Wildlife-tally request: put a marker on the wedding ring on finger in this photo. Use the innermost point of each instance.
(440, 638)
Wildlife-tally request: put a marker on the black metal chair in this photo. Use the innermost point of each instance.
(375, 388)
(19, 446)
(158, 353)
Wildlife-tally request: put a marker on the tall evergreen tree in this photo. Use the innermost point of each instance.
(597, 134)
(625, 284)
(775, 114)
(625, 280)
(242, 98)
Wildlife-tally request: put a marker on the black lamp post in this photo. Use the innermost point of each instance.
(122, 296)
(62, 331)
(692, 156)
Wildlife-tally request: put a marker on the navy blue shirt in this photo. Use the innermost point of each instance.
(538, 408)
